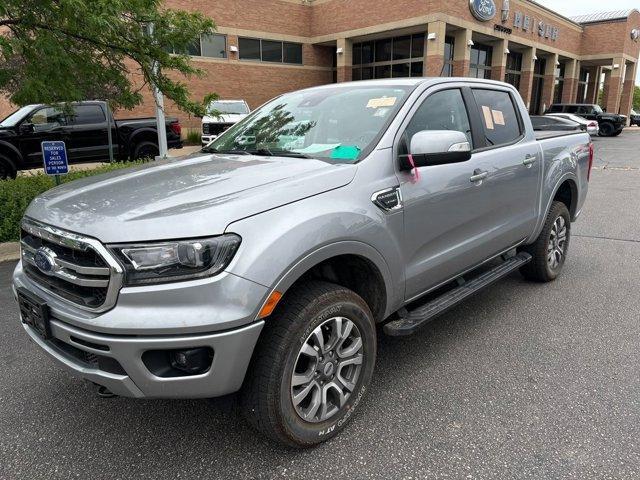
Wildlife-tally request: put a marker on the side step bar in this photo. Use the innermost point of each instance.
(422, 315)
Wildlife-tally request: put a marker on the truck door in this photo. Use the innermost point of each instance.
(46, 123)
(458, 215)
(87, 133)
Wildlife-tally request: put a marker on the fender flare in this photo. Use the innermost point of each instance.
(345, 247)
(543, 212)
(133, 139)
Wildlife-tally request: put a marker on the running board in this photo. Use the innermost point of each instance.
(414, 319)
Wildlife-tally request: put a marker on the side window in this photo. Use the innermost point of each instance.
(499, 117)
(47, 118)
(572, 109)
(443, 110)
(555, 109)
(87, 114)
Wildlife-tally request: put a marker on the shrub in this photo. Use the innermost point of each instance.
(193, 137)
(15, 195)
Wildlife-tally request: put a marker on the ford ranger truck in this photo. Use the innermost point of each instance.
(263, 264)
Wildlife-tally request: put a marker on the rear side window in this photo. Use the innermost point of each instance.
(86, 114)
(571, 109)
(555, 109)
(443, 110)
(498, 115)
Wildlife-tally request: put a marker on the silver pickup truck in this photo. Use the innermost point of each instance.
(262, 264)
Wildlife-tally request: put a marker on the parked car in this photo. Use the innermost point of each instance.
(264, 264)
(610, 124)
(547, 122)
(84, 131)
(635, 118)
(589, 126)
(224, 114)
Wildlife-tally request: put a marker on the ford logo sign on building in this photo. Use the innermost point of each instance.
(483, 10)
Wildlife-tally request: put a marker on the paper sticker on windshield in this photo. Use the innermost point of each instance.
(488, 118)
(498, 117)
(345, 152)
(381, 102)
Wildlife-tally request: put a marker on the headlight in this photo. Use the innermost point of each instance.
(172, 261)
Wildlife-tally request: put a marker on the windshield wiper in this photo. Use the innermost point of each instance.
(232, 152)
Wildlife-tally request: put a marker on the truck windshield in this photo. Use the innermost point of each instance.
(597, 110)
(333, 123)
(238, 108)
(13, 119)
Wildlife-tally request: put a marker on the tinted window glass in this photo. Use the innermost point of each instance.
(499, 117)
(48, 117)
(214, 46)
(401, 48)
(401, 70)
(383, 50)
(555, 109)
(444, 110)
(571, 108)
(417, 46)
(416, 69)
(271, 51)
(84, 114)
(249, 48)
(292, 53)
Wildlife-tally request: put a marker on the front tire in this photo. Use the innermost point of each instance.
(312, 365)
(606, 129)
(550, 249)
(6, 169)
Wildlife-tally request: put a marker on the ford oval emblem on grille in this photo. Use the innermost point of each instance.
(45, 260)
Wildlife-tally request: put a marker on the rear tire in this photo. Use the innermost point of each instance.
(300, 390)
(616, 133)
(550, 249)
(606, 129)
(7, 171)
(146, 150)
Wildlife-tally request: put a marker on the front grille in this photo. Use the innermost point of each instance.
(82, 271)
(215, 128)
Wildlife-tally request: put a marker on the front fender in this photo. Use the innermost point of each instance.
(14, 153)
(280, 245)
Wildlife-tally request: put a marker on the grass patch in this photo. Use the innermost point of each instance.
(16, 195)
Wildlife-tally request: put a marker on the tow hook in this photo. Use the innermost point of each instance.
(104, 392)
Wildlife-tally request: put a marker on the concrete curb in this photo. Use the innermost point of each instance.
(9, 251)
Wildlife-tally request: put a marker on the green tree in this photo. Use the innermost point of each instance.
(68, 50)
(636, 98)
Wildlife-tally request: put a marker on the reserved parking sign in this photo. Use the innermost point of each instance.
(54, 155)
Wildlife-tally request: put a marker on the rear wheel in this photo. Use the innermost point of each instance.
(312, 365)
(616, 133)
(549, 251)
(6, 168)
(606, 129)
(145, 150)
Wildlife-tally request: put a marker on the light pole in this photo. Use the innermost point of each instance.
(159, 101)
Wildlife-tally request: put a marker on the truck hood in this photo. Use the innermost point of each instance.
(225, 118)
(193, 196)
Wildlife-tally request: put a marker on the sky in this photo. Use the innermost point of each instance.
(569, 8)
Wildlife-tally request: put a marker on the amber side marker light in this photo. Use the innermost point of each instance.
(270, 305)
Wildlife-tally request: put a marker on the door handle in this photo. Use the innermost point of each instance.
(529, 160)
(478, 176)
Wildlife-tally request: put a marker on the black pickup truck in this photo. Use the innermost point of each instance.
(83, 128)
(610, 124)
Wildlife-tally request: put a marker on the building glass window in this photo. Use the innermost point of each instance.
(447, 68)
(273, 51)
(480, 62)
(214, 46)
(514, 69)
(559, 83)
(389, 57)
(583, 81)
(537, 85)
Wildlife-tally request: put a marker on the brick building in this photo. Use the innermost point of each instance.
(266, 47)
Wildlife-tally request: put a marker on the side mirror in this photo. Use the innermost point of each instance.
(436, 147)
(27, 128)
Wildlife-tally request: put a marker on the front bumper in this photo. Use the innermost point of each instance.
(217, 312)
(206, 139)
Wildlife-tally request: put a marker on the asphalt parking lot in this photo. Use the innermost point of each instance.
(522, 381)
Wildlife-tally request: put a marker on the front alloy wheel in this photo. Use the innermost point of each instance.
(327, 369)
(312, 365)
